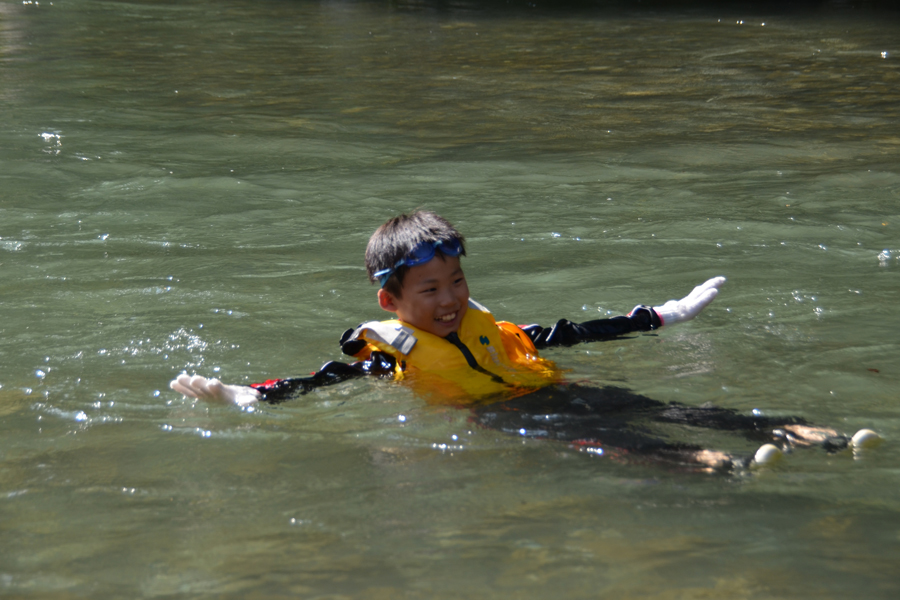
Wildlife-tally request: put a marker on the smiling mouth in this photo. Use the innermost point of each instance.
(447, 318)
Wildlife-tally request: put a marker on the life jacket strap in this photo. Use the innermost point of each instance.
(453, 338)
(398, 336)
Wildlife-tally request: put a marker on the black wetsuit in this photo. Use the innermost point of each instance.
(599, 418)
(380, 364)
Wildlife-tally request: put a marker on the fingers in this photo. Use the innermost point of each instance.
(199, 383)
(710, 284)
(212, 389)
(701, 296)
(678, 311)
(192, 387)
(699, 302)
(181, 389)
(219, 390)
(182, 385)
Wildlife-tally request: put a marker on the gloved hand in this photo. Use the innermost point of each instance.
(678, 311)
(213, 389)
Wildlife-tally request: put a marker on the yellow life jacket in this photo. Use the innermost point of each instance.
(502, 360)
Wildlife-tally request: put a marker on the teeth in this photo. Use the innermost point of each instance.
(446, 318)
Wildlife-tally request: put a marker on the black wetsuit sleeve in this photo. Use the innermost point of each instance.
(276, 391)
(567, 333)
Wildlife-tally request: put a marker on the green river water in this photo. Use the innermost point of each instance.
(189, 186)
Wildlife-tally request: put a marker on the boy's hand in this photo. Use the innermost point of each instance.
(213, 389)
(678, 311)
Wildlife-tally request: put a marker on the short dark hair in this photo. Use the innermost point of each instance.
(395, 239)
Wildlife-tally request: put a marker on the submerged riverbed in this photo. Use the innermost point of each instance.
(190, 187)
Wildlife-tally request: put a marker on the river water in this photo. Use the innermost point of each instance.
(190, 187)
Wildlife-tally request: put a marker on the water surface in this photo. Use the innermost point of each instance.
(191, 187)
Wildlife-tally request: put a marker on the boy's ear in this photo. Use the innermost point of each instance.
(386, 301)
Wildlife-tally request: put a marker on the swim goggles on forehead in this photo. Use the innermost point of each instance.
(421, 254)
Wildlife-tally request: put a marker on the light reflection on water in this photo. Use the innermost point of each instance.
(192, 186)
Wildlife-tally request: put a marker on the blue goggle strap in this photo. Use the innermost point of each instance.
(413, 260)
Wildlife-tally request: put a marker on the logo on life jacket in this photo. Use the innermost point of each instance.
(493, 351)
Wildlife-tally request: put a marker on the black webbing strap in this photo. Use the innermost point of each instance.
(453, 338)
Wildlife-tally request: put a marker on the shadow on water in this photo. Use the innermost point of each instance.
(616, 422)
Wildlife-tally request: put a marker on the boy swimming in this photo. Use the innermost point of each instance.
(450, 349)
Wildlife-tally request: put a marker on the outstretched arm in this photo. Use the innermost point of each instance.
(276, 391)
(214, 390)
(642, 318)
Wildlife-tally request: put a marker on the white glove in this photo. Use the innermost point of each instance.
(678, 311)
(213, 389)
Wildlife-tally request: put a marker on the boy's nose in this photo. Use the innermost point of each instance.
(447, 298)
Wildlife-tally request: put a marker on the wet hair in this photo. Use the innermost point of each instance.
(396, 238)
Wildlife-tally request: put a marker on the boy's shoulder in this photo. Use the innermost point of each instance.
(394, 333)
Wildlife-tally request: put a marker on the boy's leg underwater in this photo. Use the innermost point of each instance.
(602, 421)
(782, 433)
(608, 420)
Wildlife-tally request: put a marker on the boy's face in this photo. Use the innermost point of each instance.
(435, 296)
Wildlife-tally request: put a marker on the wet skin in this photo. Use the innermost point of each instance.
(435, 296)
